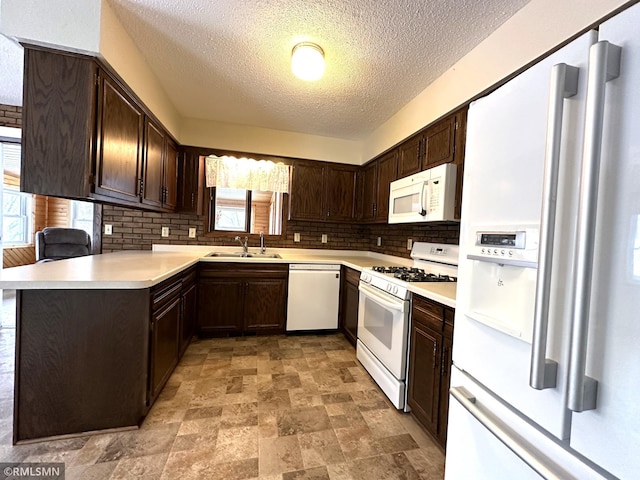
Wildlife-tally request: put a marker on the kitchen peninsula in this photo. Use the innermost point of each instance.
(93, 339)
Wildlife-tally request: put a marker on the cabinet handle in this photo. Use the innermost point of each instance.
(141, 186)
(564, 84)
(193, 200)
(435, 348)
(445, 356)
(604, 65)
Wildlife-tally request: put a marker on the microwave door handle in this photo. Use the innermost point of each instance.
(564, 84)
(383, 302)
(422, 212)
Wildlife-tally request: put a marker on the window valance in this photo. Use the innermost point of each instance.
(246, 173)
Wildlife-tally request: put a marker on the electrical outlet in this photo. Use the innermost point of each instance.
(296, 237)
(409, 244)
(324, 238)
(165, 231)
(379, 241)
(108, 229)
(192, 232)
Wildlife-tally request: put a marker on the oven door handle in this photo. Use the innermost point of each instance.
(380, 300)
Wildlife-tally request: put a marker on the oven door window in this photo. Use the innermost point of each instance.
(379, 322)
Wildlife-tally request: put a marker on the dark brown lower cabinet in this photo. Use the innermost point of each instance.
(234, 299)
(165, 344)
(349, 298)
(173, 306)
(189, 313)
(430, 365)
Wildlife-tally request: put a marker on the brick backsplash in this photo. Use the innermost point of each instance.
(10, 116)
(138, 230)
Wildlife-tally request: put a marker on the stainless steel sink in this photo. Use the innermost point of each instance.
(243, 255)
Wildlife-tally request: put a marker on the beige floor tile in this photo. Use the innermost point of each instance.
(279, 455)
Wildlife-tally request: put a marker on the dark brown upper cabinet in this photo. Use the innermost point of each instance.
(373, 191)
(191, 181)
(86, 135)
(322, 191)
(439, 143)
(410, 155)
(160, 168)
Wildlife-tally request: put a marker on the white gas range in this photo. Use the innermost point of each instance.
(384, 313)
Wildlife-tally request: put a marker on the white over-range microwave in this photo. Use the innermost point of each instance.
(427, 196)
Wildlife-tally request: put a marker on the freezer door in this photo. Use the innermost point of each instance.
(486, 440)
(503, 178)
(610, 434)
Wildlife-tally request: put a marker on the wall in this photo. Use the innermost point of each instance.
(137, 230)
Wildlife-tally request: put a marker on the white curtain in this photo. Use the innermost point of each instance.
(246, 173)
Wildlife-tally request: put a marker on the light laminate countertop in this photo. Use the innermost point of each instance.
(144, 269)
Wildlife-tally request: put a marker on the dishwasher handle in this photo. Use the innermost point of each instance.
(314, 267)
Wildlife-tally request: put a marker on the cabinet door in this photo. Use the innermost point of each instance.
(119, 155)
(220, 305)
(387, 173)
(440, 143)
(349, 305)
(188, 318)
(306, 200)
(265, 307)
(369, 191)
(445, 380)
(152, 189)
(164, 345)
(410, 155)
(340, 185)
(424, 375)
(58, 124)
(170, 176)
(191, 183)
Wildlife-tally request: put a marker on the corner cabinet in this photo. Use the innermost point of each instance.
(191, 184)
(86, 136)
(322, 191)
(430, 365)
(237, 299)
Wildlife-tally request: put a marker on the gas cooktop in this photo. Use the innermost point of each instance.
(413, 274)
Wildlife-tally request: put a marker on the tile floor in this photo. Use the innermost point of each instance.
(283, 407)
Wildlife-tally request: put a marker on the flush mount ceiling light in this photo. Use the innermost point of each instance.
(307, 61)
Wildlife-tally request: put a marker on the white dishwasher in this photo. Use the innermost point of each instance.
(314, 291)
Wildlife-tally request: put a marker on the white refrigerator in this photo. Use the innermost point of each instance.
(546, 350)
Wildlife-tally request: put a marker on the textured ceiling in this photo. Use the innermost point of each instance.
(229, 60)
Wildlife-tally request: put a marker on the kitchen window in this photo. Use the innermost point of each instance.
(249, 211)
(16, 217)
(81, 216)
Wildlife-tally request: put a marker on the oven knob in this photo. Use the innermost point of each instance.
(501, 252)
(395, 289)
(495, 251)
(510, 253)
(388, 287)
(482, 250)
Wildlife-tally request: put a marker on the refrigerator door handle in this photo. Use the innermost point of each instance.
(604, 65)
(564, 84)
(514, 442)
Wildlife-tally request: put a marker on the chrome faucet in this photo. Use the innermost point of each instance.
(245, 244)
(263, 249)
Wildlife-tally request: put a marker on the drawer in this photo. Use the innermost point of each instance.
(428, 313)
